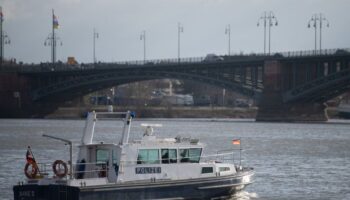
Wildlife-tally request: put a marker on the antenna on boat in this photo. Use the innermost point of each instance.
(126, 130)
(89, 128)
(70, 152)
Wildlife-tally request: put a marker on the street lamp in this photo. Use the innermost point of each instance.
(313, 22)
(52, 38)
(228, 32)
(269, 19)
(180, 29)
(95, 36)
(321, 19)
(143, 37)
(4, 38)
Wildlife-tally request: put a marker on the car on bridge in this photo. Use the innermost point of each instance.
(212, 58)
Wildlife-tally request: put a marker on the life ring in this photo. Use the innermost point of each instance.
(31, 170)
(60, 168)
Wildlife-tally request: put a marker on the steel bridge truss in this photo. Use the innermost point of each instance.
(244, 78)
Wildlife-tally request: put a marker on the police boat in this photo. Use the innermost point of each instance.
(149, 168)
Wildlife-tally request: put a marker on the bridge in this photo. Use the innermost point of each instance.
(289, 86)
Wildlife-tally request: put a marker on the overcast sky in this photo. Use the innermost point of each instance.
(120, 23)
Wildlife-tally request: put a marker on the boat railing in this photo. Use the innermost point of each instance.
(90, 170)
(45, 170)
(80, 170)
(224, 156)
(229, 155)
(100, 169)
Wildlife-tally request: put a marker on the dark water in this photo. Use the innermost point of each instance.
(292, 161)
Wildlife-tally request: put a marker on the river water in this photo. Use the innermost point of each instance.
(292, 161)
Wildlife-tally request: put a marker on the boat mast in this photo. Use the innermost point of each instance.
(89, 128)
(126, 129)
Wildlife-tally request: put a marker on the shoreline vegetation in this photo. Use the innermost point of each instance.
(169, 112)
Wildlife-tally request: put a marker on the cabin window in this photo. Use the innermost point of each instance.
(148, 156)
(169, 156)
(192, 155)
(224, 169)
(102, 156)
(207, 170)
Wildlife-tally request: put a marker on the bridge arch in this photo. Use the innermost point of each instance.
(321, 89)
(92, 82)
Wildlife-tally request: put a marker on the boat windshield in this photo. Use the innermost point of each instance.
(169, 156)
(191, 155)
(148, 156)
(102, 156)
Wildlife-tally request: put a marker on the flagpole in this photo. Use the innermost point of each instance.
(36, 165)
(53, 56)
(178, 42)
(94, 43)
(1, 39)
(240, 152)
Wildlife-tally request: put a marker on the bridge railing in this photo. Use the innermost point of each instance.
(288, 54)
(163, 61)
(48, 67)
(307, 53)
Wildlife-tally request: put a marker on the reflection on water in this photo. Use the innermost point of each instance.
(244, 195)
(292, 161)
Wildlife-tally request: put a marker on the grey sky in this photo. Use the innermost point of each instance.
(120, 23)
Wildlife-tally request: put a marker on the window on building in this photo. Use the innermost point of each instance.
(102, 156)
(207, 170)
(169, 156)
(192, 155)
(148, 156)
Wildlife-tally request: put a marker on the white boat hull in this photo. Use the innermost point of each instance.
(204, 188)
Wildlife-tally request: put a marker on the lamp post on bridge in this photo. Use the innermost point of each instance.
(95, 36)
(180, 29)
(52, 38)
(317, 21)
(269, 19)
(4, 38)
(228, 32)
(143, 37)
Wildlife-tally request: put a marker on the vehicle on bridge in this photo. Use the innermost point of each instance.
(149, 168)
(212, 57)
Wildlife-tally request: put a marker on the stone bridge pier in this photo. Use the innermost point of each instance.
(16, 100)
(272, 106)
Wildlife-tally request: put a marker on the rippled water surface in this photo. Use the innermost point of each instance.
(292, 161)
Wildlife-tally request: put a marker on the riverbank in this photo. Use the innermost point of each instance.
(170, 112)
(160, 112)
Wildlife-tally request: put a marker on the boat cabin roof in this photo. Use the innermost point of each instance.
(154, 142)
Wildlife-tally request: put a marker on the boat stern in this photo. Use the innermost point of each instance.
(45, 192)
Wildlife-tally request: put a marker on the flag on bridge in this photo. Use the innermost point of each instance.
(1, 15)
(55, 22)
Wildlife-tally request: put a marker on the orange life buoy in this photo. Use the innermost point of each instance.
(31, 170)
(60, 168)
